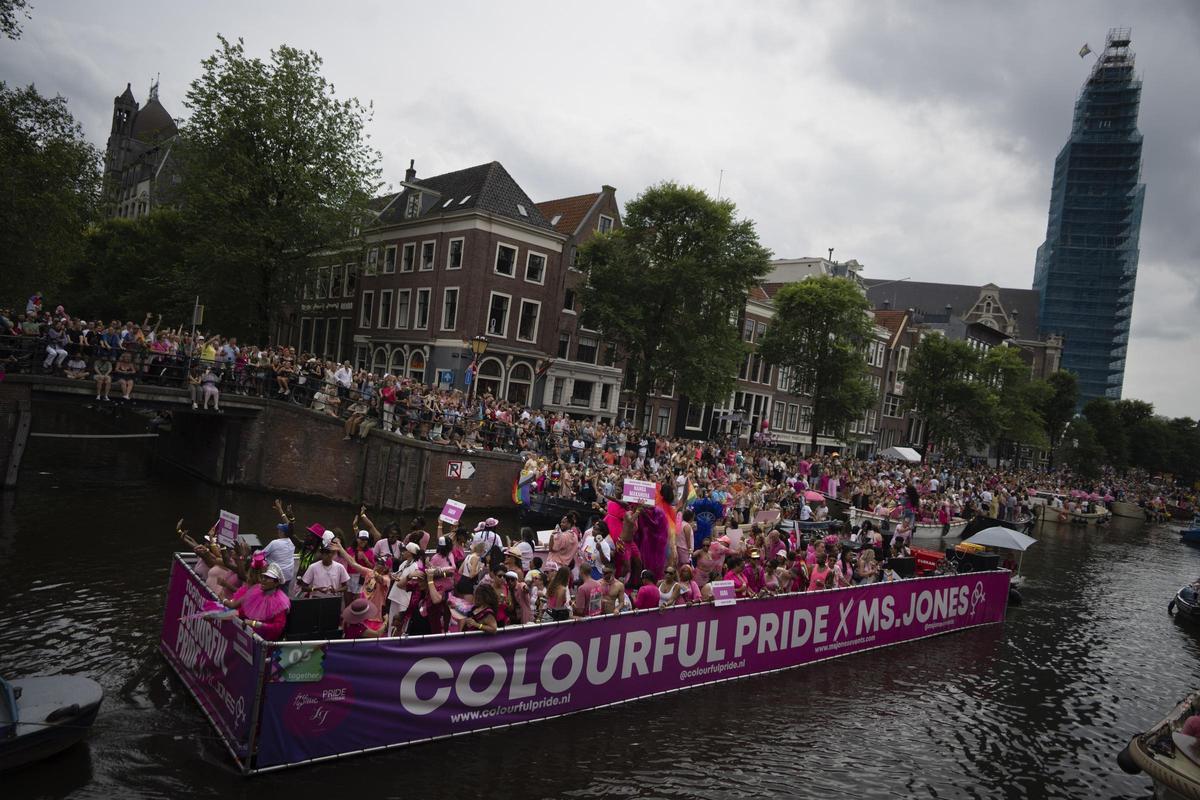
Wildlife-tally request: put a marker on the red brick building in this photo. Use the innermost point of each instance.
(584, 378)
(455, 256)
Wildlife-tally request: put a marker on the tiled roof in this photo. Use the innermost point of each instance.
(932, 298)
(770, 289)
(152, 123)
(892, 320)
(757, 293)
(569, 210)
(486, 187)
(378, 204)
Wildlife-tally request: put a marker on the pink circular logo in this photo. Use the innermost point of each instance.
(315, 709)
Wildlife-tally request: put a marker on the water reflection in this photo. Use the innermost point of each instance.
(1036, 707)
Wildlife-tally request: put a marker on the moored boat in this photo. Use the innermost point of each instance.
(1120, 508)
(1169, 753)
(922, 530)
(41, 716)
(1185, 604)
(544, 511)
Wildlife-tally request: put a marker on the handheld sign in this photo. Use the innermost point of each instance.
(642, 492)
(543, 538)
(227, 529)
(767, 516)
(723, 593)
(452, 512)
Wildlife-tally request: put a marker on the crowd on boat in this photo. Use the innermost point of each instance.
(719, 514)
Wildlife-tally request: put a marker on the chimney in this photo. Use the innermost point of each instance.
(887, 304)
(608, 189)
(949, 312)
(410, 174)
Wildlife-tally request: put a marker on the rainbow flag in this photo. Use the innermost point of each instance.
(668, 510)
(690, 491)
(521, 486)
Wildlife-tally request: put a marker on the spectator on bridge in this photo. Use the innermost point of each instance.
(76, 367)
(208, 385)
(126, 370)
(358, 413)
(102, 374)
(193, 384)
(56, 347)
(343, 377)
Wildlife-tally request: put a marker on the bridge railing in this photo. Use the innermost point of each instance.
(28, 355)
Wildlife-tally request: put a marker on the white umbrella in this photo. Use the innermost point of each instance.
(999, 536)
(1005, 538)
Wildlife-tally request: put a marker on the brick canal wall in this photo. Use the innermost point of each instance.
(283, 448)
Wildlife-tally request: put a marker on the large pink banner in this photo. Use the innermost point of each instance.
(342, 697)
(218, 660)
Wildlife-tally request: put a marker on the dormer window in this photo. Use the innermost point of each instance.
(414, 206)
(521, 210)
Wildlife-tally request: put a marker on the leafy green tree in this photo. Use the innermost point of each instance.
(1131, 412)
(1183, 456)
(1081, 450)
(818, 336)
(1057, 406)
(667, 287)
(1018, 399)
(275, 168)
(943, 389)
(132, 267)
(11, 12)
(51, 186)
(1150, 444)
(1110, 430)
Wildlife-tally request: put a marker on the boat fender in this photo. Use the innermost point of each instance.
(1014, 597)
(66, 712)
(1171, 609)
(1126, 763)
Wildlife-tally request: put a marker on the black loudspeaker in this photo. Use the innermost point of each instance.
(314, 618)
(904, 567)
(980, 562)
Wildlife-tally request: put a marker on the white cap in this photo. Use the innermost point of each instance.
(413, 548)
(364, 535)
(326, 538)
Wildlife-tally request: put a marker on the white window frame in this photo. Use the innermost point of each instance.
(461, 252)
(389, 250)
(496, 262)
(574, 301)
(403, 323)
(529, 254)
(902, 359)
(432, 259)
(457, 297)
(368, 299)
(537, 323)
(351, 270)
(600, 224)
(391, 308)
(372, 261)
(699, 427)
(503, 334)
(405, 249)
(322, 284)
(417, 309)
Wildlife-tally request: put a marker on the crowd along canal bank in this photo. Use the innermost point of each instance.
(280, 704)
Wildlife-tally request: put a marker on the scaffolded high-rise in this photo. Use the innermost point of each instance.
(1087, 267)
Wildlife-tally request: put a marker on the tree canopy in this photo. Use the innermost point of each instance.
(51, 180)
(667, 287)
(275, 168)
(818, 335)
(943, 389)
(1057, 406)
(1018, 399)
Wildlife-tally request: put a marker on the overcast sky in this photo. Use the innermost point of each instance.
(918, 138)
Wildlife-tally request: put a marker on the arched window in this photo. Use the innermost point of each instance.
(520, 382)
(396, 362)
(416, 366)
(379, 360)
(490, 377)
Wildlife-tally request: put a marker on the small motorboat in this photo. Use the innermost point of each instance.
(45, 715)
(544, 511)
(1168, 753)
(1191, 535)
(1186, 603)
(1121, 508)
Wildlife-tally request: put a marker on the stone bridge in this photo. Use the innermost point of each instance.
(256, 443)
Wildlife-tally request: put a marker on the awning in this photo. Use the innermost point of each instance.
(902, 454)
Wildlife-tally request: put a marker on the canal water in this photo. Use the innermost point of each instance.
(1036, 707)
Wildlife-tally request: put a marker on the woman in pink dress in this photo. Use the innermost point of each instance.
(441, 571)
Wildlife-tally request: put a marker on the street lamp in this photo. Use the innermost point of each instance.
(479, 346)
